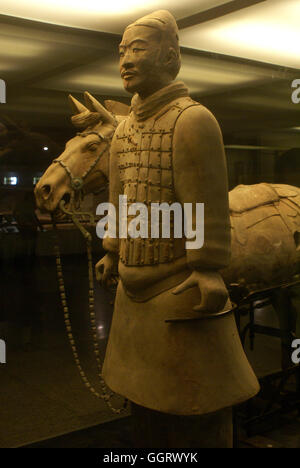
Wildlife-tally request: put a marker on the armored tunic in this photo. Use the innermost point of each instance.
(149, 166)
(146, 173)
(170, 149)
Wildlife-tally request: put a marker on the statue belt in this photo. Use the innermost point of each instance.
(140, 252)
(147, 293)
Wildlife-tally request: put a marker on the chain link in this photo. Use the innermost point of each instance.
(105, 394)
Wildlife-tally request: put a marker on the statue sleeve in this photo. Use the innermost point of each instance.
(115, 189)
(200, 176)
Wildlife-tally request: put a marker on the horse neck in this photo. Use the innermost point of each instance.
(99, 178)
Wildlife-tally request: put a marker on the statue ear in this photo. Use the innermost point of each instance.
(76, 106)
(95, 106)
(171, 56)
(117, 108)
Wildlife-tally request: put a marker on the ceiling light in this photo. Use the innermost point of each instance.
(267, 32)
(14, 47)
(109, 15)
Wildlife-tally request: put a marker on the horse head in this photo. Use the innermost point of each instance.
(84, 164)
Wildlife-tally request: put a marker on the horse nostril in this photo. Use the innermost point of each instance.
(297, 239)
(46, 190)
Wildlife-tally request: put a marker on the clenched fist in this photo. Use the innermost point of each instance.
(107, 270)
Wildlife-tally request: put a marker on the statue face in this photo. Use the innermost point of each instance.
(140, 65)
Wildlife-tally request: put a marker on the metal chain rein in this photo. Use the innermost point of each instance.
(104, 395)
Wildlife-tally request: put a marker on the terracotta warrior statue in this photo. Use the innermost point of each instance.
(173, 349)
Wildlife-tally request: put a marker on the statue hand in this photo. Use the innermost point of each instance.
(107, 270)
(213, 291)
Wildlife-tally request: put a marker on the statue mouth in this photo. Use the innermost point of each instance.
(127, 75)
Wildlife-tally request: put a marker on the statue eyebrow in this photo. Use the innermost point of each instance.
(123, 46)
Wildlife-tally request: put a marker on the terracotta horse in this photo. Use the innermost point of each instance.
(265, 218)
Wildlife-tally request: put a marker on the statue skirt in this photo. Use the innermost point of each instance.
(184, 368)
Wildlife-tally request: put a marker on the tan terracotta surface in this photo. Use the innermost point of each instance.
(265, 239)
(170, 149)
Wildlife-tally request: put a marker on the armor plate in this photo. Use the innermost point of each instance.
(146, 173)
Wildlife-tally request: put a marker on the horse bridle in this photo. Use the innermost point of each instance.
(77, 182)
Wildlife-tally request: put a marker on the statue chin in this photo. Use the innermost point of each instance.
(129, 86)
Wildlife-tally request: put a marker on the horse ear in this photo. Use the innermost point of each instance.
(95, 106)
(117, 108)
(76, 106)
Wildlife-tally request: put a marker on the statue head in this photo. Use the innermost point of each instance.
(149, 53)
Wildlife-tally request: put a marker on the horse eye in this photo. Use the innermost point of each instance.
(92, 147)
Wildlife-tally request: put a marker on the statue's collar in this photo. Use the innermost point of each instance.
(145, 108)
